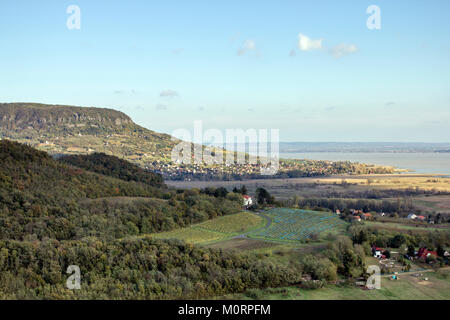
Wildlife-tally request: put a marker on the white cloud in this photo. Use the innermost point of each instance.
(343, 49)
(247, 46)
(168, 93)
(178, 51)
(161, 107)
(132, 91)
(307, 44)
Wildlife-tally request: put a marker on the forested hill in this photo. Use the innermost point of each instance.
(114, 167)
(41, 197)
(59, 129)
(53, 215)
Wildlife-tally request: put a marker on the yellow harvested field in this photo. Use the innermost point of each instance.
(395, 182)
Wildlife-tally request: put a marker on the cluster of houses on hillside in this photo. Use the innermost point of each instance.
(359, 215)
(422, 254)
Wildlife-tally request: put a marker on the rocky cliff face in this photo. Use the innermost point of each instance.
(32, 116)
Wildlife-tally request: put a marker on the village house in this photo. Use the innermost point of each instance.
(422, 218)
(423, 253)
(247, 200)
(411, 216)
(356, 212)
(378, 252)
(367, 216)
(356, 218)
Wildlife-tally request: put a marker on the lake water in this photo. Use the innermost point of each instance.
(436, 163)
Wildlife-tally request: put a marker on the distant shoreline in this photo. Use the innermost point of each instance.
(204, 184)
(416, 162)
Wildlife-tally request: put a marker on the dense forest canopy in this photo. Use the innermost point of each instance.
(131, 269)
(53, 215)
(95, 212)
(114, 167)
(41, 197)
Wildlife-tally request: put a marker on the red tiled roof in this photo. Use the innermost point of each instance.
(246, 196)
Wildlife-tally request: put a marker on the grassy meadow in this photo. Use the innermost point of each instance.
(217, 229)
(408, 287)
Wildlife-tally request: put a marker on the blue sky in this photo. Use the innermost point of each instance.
(239, 64)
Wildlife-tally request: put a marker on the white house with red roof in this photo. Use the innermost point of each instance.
(247, 200)
(377, 252)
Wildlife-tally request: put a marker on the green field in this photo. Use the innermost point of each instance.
(233, 224)
(221, 228)
(289, 226)
(408, 287)
(404, 226)
(296, 224)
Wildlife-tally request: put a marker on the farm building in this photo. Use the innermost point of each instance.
(367, 216)
(411, 216)
(377, 252)
(424, 253)
(247, 200)
(421, 218)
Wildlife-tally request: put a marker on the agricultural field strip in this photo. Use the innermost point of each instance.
(295, 224)
(217, 229)
(285, 225)
(401, 226)
(233, 224)
(190, 235)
